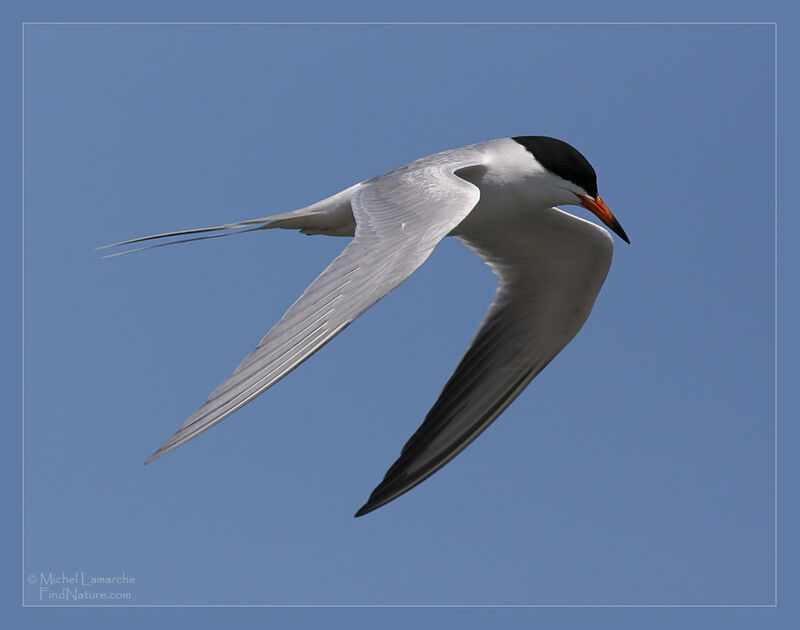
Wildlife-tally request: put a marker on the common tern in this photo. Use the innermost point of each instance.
(496, 197)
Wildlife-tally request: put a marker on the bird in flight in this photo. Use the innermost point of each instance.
(498, 198)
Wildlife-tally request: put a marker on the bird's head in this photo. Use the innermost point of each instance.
(572, 178)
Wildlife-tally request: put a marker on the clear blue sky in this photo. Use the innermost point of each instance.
(638, 468)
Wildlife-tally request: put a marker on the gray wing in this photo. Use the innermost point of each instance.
(400, 217)
(550, 266)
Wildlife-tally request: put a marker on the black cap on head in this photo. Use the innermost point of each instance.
(561, 159)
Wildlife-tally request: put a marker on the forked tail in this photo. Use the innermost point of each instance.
(226, 230)
(331, 216)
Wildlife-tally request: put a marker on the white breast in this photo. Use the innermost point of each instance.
(511, 182)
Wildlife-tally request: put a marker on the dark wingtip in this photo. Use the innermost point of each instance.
(373, 503)
(376, 499)
(365, 509)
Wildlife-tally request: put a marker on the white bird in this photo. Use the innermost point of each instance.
(498, 199)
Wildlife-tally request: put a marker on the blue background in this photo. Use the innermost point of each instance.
(637, 469)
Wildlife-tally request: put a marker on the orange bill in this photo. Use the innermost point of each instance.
(601, 211)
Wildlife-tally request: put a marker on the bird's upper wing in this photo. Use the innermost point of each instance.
(550, 266)
(400, 217)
